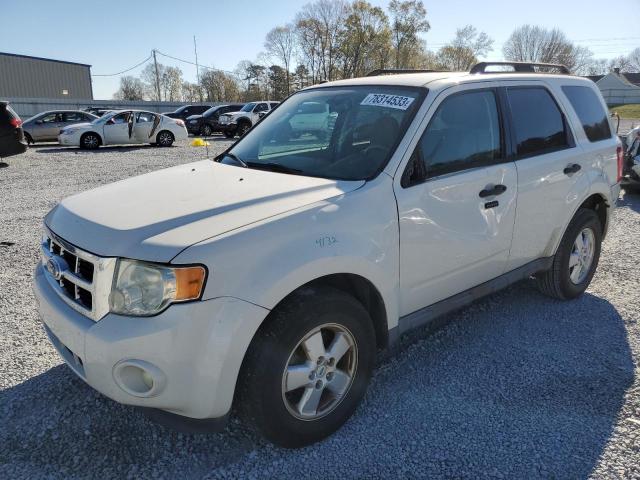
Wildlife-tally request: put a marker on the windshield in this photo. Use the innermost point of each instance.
(103, 118)
(248, 107)
(346, 133)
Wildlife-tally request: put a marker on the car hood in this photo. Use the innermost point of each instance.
(77, 125)
(235, 114)
(155, 216)
(194, 117)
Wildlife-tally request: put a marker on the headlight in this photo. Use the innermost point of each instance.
(68, 131)
(143, 289)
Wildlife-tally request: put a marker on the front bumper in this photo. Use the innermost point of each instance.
(194, 128)
(193, 350)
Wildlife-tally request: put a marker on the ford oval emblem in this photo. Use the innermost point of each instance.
(56, 266)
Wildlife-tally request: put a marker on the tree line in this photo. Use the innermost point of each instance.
(334, 39)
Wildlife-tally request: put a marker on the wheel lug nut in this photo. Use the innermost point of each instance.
(332, 362)
(319, 384)
(312, 375)
(320, 360)
(329, 376)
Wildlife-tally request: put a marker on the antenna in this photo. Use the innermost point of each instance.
(195, 50)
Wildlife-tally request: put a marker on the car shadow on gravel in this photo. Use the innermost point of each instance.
(516, 385)
(110, 149)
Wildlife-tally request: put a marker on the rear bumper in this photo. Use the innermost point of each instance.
(193, 352)
(12, 143)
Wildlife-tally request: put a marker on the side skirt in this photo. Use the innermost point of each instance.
(427, 315)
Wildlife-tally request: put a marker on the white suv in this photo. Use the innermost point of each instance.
(239, 123)
(270, 276)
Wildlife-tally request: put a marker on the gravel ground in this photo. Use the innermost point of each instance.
(515, 386)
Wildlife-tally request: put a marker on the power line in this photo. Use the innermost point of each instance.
(192, 63)
(124, 71)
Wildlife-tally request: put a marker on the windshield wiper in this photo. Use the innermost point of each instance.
(237, 159)
(274, 167)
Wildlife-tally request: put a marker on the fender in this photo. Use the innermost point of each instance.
(264, 262)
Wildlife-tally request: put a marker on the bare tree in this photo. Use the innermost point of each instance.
(280, 44)
(131, 88)
(319, 26)
(171, 84)
(530, 43)
(219, 86)
(634, 59)
(409, 18)
(463, 52)
(191, 92)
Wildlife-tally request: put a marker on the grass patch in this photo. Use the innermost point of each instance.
(627, 111)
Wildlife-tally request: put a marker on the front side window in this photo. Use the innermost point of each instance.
(463, 133)
(120, 118)
(248, 107)
(590, 111)
(261, 107)
(344, 133)
(539, 125)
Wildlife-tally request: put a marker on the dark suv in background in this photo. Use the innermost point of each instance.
(187, 110)
(207, 123)
(12, 140)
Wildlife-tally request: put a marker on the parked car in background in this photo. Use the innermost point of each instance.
(46, 126)
(632, 158)
(188, 110)
(99, 111)
(238, 123)
(207, 123)
(125, 127)
(12, 141)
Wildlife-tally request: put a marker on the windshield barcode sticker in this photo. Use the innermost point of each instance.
(384, 100)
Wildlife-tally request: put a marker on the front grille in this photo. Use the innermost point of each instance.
(75, 275)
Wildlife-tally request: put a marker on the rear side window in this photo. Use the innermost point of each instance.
(539, 125)
(72, 117)
(587, 106)
(463, 133)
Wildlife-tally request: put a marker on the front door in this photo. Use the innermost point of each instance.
(456, 200)
(119, 129)
(48, 127)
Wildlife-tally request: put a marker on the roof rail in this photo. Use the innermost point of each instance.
(394, 71)
(518, 67)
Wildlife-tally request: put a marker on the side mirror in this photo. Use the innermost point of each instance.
(38, 122)
(261, 114)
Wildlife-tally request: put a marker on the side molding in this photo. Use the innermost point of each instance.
(427, 315)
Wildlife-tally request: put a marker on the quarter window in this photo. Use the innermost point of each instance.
(539, 125)
(73, 117)
(463, 133)
(589, 109)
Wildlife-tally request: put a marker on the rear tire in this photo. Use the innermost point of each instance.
(576, 259)
(90, 141)
(296, 395)
(28, 138)
(165, 138)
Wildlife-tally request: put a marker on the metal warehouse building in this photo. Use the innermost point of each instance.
(22, 76)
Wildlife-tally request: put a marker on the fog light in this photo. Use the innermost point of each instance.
(139, 378)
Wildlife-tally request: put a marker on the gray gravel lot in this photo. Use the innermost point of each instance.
(515, 386)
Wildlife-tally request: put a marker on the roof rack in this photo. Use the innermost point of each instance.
(395, 71)
(518, 67)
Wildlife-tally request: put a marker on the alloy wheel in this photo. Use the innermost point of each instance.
(319, 372)
(581, 256)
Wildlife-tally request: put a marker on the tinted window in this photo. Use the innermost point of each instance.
(587, 106)
(538, 123)
(120, 118)
(262, 107)
(463, 133)
(273, 104)
(51, 118)
(73, 117)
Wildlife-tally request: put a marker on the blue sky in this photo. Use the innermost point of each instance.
(113, 35)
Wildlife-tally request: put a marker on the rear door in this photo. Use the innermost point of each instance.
(48, 127)
(456, 199)
(551, 170)
(70, 118)
(143, 129)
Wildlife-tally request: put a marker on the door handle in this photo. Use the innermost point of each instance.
(495, 190)
(573, 168)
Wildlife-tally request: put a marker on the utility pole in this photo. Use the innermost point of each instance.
(195, 49)
(155, 62)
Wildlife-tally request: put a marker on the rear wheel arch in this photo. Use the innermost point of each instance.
(598, 203)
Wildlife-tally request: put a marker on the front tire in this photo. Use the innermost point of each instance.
(308, 369)
(229, 134)
(90, 141)
(206, 130)
(576, 260)
(165, 138)
(243, 128)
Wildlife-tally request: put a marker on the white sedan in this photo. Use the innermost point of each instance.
(125, 127)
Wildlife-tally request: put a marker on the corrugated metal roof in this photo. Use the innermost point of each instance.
(42, 58)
